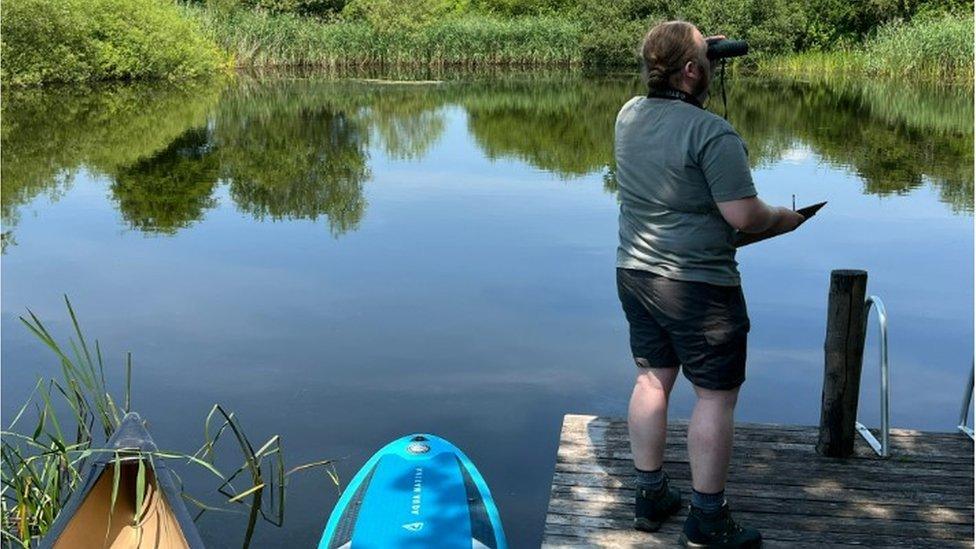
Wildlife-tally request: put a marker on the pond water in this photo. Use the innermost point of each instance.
(344, 261)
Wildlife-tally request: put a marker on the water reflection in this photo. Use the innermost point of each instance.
(564, 125)
(404, 121)
(288, 155)
(171, 189)
(895, 137)
(299, 148)
(49, 134)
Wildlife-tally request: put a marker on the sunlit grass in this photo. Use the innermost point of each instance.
(62, 427)
(932, 48)
(261, 40)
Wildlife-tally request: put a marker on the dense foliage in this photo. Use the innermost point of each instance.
(930, 46)
(312, 8)
(591, 32)
(832, 24)
(73, 40)
(76, 40)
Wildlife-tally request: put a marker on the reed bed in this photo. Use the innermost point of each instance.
(926, 47)
(258, 39)
(933, 48)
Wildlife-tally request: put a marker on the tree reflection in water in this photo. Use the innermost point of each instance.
(299, 148)
(171, 189)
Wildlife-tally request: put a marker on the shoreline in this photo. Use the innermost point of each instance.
(928, 47)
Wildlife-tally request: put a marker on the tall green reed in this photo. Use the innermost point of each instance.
(930, 47)
(259, 39)
(43, 462)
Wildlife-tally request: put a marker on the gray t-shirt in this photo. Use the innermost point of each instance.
(674, 162)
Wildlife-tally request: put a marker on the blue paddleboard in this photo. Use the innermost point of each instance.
(417, 491)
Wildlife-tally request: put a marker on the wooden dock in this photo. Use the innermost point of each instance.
(922, 496)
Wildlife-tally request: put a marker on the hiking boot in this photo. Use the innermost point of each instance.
(651, 509)
(717, 530)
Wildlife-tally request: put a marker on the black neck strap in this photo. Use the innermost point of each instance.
(671, 93)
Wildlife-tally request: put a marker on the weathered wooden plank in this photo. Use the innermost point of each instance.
(617, 541)
(956, 502)
(911, 447)
(556, 541)
(573, 453)
(773, 500)
(787, 517)
(792, 476)
(785, 471)
(914, 442)
(678, 453)
(769, 526)
(948, 448)
(574, 420)
(824, 488)
(774, 452)
(922, 497)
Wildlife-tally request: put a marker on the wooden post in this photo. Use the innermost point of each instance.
(843, 355)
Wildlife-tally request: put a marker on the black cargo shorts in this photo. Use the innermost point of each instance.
(701, 327)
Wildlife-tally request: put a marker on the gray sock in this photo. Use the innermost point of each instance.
(707, 503)
(652, 481)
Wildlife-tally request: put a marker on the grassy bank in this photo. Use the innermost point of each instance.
(78, 40)
(935, 45)
(927, 48)
(260, 39)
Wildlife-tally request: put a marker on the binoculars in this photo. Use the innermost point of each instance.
(723, 49)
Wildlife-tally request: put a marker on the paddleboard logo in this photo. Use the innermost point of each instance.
(414, 526)
(418, 485)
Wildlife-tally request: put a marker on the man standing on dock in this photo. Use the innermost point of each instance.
(685, 189)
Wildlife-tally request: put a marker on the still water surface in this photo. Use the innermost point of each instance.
(343, 261)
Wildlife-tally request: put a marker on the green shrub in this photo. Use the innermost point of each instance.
(399, 16)
(612, 31)
(770, 26)
(76, 40)
(518, 8)
(314, 8)
(839, 24)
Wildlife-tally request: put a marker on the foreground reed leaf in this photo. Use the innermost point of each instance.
(40, 466)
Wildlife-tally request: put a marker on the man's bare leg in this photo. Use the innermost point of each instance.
(710, 439)
(648, 415)
(654, 500)
(709, 520)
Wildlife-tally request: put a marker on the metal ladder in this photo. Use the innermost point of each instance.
(966, 400)
(881, 448)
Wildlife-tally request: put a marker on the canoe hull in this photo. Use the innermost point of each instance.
(90, 519)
